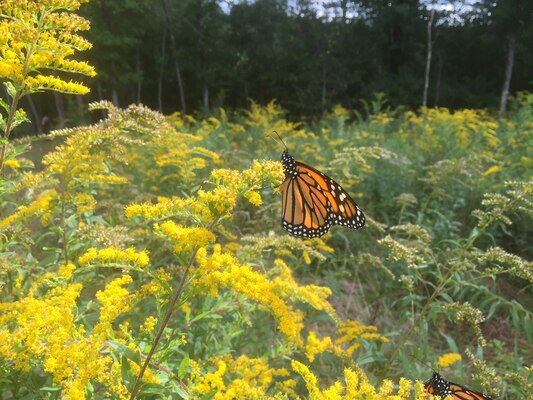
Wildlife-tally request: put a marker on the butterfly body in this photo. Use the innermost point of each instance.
(312, 202)
(437, 386)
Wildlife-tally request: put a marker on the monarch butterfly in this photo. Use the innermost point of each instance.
(437, 386)
(312, 201)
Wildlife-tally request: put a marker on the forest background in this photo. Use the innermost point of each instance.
(141, 252)
(192, 55)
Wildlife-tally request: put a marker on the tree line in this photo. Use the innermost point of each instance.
(196, 55)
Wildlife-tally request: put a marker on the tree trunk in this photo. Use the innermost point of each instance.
(428, 59)
(170, 24)
(36, 118)
(60, 108)
(114, 97)
(511, 45)
(439, 78)
(80, 104)
(323, 86)
(138, 73)
(206, 98)
(162, 70)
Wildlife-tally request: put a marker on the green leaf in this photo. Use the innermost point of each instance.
(184, 367)
(19, 117)
(11, 91)
(4, 105)
(50, 389)
(126, 373)
(208, 396)
(182, 393)
(125, 351)
(3, 124)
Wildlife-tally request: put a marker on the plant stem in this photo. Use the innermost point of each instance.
(424, 311)
(9, 123)
(18, 94)
(163, 325)
(63, 227)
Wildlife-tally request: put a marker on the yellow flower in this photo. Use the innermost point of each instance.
(66, 270)
(40, 36)
(492, 170)
(353, 331)
(38, 206)
(44, 328)
(113, 256)
(222, 270)
(448, 359)
(149, 324)
(184, 238)
(316, 346)
(13, 164)
(115, 300)
(254, 197)
(85, 202)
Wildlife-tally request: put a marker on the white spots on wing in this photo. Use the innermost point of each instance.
(342, 196)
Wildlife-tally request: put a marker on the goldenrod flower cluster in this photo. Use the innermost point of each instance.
(37, 36)
(448, 359)
(115, 257)
(115, 300)
(184, 238)
(44, 328)
(353, 331)
(41, 205)
(241, 378)
(220, 270)
(463, 128)
(357, 386)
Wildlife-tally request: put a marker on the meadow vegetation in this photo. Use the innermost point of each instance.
(98, 235)
(143, 226)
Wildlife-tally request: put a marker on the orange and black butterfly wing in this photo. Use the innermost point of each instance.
(342, 209)
(437, 386)
(312, 202)
(304, 208)
(461, 393)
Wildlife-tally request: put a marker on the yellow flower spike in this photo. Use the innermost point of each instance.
(221, 270)
(253, 197)
(13, 164)
(314, 295)
(184, 238)
(45, 328)
(66, 270)
(352, 382)
(308, 377)
(316, 346)
(448, 359)
(352, 331)
(115, 300)
(149, 324)
(39, 206)
(492, 170)
(113, 256)
(386, 388)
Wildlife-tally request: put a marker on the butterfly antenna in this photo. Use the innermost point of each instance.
(282, 141)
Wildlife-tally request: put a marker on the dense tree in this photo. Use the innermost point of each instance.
(200, 54)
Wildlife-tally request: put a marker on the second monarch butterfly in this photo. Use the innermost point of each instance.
(312, 201)
(437, 386)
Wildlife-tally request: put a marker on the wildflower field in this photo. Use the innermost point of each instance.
(143, 256)
(99, 234)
